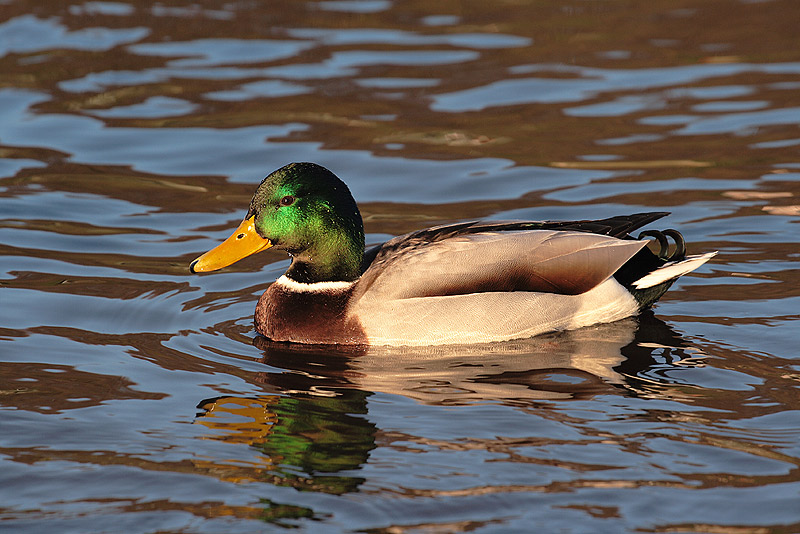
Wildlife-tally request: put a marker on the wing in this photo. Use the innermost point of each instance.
(619, 226)
(470, 258)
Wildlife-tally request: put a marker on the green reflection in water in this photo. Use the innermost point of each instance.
(307, 442)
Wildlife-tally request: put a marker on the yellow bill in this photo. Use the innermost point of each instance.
(242, 243)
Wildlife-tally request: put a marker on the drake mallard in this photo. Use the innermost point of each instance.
(471, 282)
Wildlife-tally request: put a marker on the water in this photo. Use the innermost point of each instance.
(133, 396)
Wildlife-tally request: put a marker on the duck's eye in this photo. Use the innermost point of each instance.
(288, 200)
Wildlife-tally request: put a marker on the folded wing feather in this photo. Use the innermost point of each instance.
(562, 262)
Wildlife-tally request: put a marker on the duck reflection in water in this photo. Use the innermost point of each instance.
(310, 426)
(563, 365)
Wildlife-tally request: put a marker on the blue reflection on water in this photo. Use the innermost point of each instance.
(260, 89)
(156, 106)
(340, 36)
(592, 81)
(212, 52)
(29, 33)
(742, 123)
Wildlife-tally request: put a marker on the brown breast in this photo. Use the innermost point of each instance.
(307, 316)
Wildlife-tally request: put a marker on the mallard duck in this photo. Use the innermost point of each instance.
(464, 283)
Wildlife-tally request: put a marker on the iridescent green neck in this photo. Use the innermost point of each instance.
(336, 257)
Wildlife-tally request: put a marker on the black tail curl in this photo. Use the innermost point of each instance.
(661, 236)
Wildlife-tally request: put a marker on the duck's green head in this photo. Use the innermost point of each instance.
(305, 209)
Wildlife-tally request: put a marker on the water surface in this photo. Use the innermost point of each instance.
(135, 396)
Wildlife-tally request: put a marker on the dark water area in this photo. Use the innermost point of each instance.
(135, 396)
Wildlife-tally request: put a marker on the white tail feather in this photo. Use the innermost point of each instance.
(672, 270)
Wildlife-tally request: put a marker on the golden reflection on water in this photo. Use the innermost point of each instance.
(239, 420)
